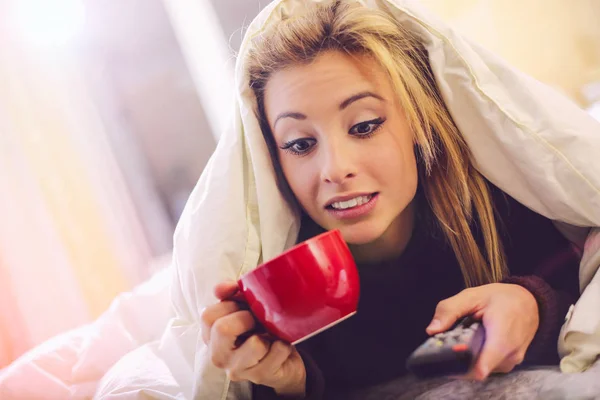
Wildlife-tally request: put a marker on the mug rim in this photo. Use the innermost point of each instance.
(333, 232)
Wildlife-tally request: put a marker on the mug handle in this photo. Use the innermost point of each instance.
(239, 298)
(259, 329)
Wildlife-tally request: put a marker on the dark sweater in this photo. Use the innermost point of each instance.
(398, 299)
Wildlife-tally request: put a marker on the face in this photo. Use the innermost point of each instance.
(345, 146)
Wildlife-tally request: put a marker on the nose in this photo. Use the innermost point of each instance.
(338, 165)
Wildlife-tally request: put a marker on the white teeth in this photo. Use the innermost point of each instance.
(357, 201)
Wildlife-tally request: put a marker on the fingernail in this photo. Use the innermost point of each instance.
(434, 325)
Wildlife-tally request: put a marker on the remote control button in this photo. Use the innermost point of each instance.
(465, 339)
(460, 348)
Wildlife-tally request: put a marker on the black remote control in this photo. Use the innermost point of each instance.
(449, 353)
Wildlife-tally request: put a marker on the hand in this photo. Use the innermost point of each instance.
(259, 360)
(510, 317)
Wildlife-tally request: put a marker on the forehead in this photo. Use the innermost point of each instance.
(330, 78)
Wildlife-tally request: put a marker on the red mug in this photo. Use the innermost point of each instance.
(305, 290)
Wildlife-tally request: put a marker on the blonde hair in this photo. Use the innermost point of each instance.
(456, 192)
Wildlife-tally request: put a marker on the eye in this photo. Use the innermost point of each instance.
(299, 146)
(366, 128)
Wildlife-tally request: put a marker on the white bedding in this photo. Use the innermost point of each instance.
(70, 365)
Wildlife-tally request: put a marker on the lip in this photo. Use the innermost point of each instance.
(355, 212)
(348, 197)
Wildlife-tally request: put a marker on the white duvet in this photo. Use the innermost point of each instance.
(526, 138)
(70, 365)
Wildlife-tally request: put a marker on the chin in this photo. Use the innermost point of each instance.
(360, 234)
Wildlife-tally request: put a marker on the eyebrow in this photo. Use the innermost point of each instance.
(357, 97)
(344, 104)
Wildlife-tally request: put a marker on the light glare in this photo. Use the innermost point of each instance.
(49, 23)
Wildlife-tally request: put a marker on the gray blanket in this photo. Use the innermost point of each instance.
(544, 383)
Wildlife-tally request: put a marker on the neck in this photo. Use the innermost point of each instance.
(392, 243)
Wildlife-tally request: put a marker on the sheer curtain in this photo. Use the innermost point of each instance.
(209, 60)
(70, 237)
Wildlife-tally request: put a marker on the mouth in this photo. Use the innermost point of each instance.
(349, 202)
(353, 206)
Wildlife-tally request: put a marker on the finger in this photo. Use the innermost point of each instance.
(224, 333)
(270, 367)
(469, 376)
(475, 373)
(254, 349)
(225, 290)
(509, 363)
(452, 309)
(504, 368)
(214, 312)
(493, 354)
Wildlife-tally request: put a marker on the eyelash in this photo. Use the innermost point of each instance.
(378, 122)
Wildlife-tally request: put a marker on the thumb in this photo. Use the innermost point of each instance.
(449, 311)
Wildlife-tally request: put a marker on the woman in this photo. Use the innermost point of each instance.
(362, 141)
(443, 217)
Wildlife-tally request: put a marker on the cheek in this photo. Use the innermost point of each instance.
(398, 166)
(301, 180)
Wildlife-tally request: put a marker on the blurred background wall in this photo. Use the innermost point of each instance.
(109, 111)
(556, 41)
